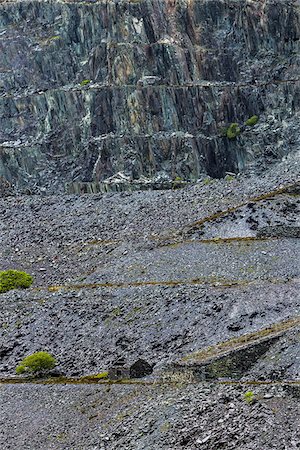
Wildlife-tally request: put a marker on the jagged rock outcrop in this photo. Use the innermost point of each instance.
(144, 88)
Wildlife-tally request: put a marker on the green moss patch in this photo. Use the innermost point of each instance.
(233, 131)
(85, 82)
(252, 121)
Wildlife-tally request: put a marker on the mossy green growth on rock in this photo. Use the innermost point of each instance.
(97, 377)
(37, 362)
(85, 82)
(252, 121)
(233, 131)
(14, 279)
(229, 178)
(249, 397)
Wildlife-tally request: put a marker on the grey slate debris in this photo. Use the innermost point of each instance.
(163, 251)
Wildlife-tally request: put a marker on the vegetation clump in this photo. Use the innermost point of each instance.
(97, 377)
(177, 182)
(233, 131)
(208, 180)
(39, 362)
(249, 397)
(252, 121)
(14, 279)
(229, 177)
(85, 82)
(102, 375)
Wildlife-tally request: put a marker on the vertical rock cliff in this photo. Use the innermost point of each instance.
(145, 88)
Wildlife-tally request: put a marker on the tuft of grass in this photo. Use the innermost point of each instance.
(229, 178)
(96, 377)
(101, 375)
(208, 181)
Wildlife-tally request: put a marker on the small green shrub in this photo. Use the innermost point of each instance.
(14, 279)
(37, 362)
(85, 82)
(249, 397)
(252, 121)
(233, 131)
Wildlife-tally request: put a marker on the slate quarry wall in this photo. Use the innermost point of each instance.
(145, 87)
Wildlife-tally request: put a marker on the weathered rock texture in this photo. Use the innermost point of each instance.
(165, 78)
(177, 417)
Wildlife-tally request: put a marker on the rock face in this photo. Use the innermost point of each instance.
(145, 87)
